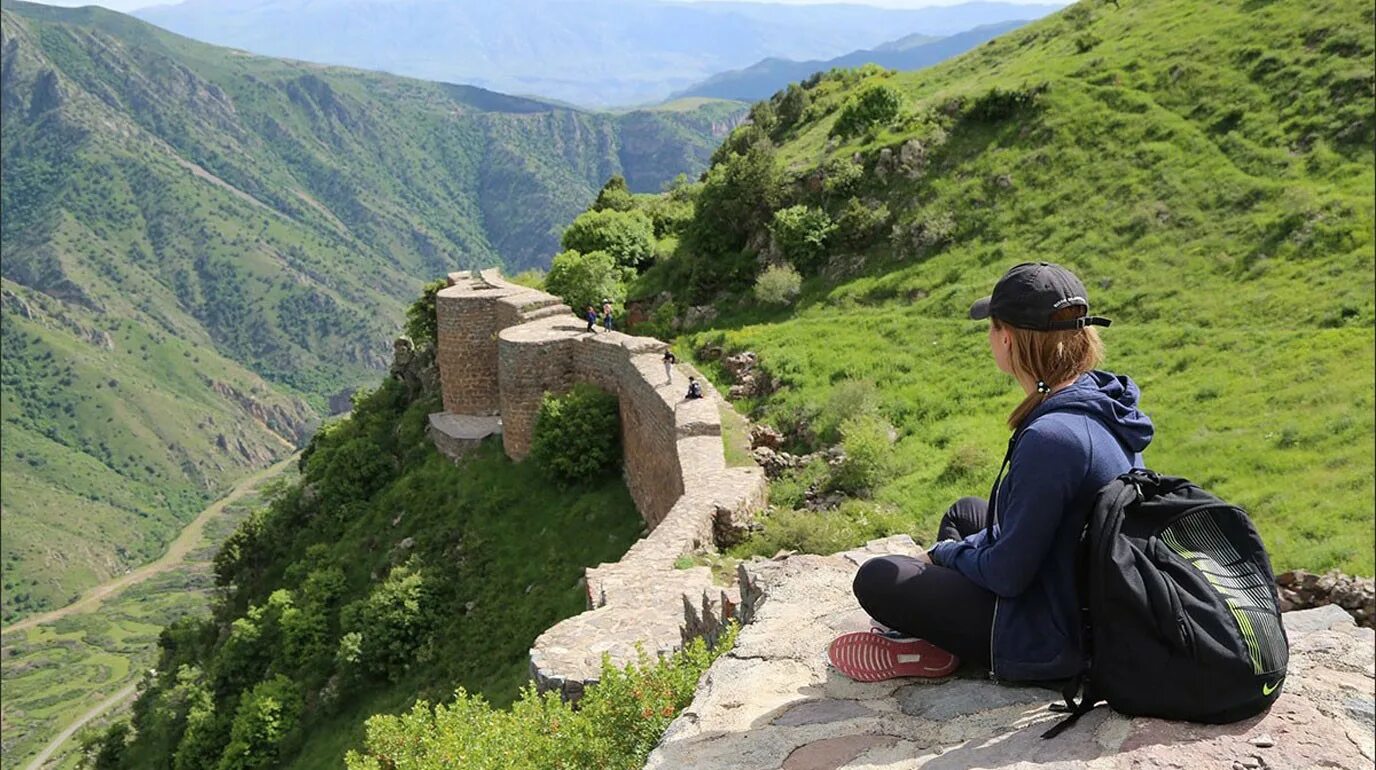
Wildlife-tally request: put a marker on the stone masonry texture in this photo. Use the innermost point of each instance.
(773, 703)
(501, 348)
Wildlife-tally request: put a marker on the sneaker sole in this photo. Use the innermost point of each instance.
(870, 657)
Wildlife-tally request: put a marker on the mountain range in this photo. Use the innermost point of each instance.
(200, 246)
(911, 52)
(593, 52)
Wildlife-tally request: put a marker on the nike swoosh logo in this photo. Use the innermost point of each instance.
(1267, 689)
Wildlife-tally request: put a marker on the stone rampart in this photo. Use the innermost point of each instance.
(501, 348)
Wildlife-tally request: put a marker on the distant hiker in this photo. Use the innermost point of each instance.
(607, 314)
(592, 319)
(669, 361)
(998, 590)
(694, 389)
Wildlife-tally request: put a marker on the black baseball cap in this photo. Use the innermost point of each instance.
(1028, 294)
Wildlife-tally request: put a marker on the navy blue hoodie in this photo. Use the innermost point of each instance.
(1072, 444)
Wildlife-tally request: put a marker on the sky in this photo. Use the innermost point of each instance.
(131, 5)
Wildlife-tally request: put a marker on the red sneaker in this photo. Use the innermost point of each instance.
(870, 657)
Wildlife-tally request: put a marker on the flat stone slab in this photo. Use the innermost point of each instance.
(773, 703)
(465, 427)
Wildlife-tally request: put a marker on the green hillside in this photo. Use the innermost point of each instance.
(384, 575)
(201, 246)
(1207, 168)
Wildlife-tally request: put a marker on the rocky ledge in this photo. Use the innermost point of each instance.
(773, 703)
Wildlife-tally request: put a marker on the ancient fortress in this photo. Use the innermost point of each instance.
(501, 347)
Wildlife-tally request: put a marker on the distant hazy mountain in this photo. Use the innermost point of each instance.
(200, 246)
(592, 52)
(912, 52)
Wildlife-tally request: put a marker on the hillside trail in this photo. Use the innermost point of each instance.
(71, 729)
(189, 538)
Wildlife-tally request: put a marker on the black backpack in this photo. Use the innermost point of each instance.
(1179, 606)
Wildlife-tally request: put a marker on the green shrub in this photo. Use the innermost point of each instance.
(869, 452)
(614, 196)
(778, 285)
(860, 225)
(790, 104)
(800, 233)
(533, 278)
(875, 105)
(737, 199)
(420, 317)
(577, 436)
(618, 722)
(266, 719)
(392, 623)
(998, 104)
(585, 279)
(851, 397)
(628, 236)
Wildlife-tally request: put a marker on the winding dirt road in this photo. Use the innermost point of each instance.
(189, 538)
(105, 705)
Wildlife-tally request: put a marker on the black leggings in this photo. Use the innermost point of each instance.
(931, 602)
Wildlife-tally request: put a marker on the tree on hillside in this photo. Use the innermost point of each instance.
(614, 196)
(628, 236)
(737, 200)
(876, 105)
(585, 279)
(266, 717)
(800, 233)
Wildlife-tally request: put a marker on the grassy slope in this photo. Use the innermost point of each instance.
(504, 550)
(1207, 168)
(177, 215)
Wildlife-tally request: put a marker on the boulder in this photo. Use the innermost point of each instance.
(773, 703)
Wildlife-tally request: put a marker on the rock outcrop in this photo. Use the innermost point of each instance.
(1301, 590)
(772, 702)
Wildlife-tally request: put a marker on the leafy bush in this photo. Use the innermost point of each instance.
(628, 236)
(614, 196)
(616, 725)
(790, 104)
(869, 452)
(737, 200)
(392, 623)
(849, 398)
(585, 279)
(778, 285)
(875, 105)
(265, 720)
(800, 233)
(577, 436)
(998, 104)
(533, 278)
(860, 225)
(927, 231)
(420, 316)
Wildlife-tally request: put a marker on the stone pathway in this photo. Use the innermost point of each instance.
(773, 703)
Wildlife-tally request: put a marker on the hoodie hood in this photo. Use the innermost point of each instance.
(1111, 399)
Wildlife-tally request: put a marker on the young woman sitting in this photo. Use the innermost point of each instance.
(998, 588)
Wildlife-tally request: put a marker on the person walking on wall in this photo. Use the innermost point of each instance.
(669, 361)
(607, 314)
(998, 589)
(592, 319)
(694, 389)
